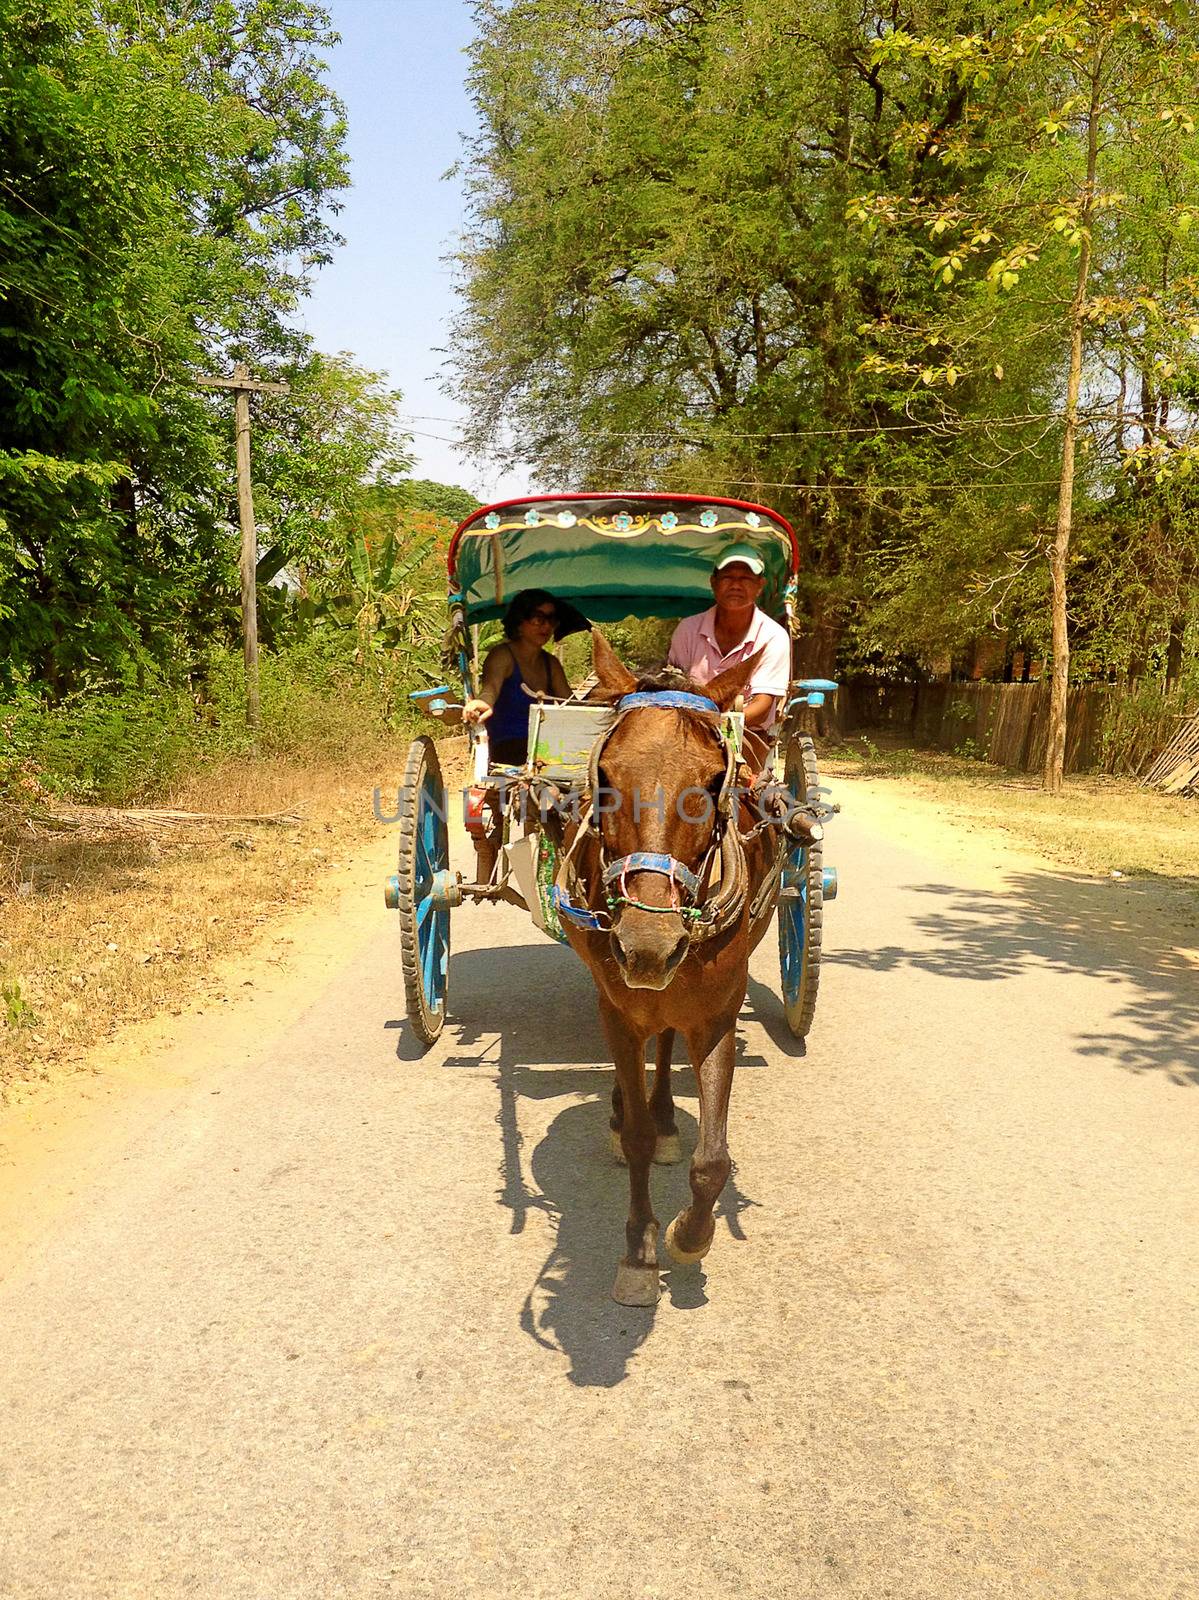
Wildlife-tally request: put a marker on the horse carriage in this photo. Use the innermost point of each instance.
(662, 897)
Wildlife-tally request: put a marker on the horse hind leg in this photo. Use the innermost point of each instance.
(637, 1274)
(614, 1123)
(667, 1148)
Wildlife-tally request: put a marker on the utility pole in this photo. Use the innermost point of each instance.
(243, 386)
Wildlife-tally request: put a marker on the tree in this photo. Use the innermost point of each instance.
(166, 172)
(677, 297)
(1071, 114)
(317, 450)
(421, 494)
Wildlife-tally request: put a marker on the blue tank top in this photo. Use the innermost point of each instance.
(510, 718)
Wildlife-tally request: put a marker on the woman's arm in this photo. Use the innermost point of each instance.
(496, 668)
(559, 683)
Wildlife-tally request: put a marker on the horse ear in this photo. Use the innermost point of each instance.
(614, 677)
(725, 689)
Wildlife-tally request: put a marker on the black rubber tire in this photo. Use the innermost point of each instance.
(802, 777)
(422, 777)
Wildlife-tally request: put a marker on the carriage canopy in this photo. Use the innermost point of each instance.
(613, 555)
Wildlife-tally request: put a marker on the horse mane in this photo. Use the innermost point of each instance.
(664, 677)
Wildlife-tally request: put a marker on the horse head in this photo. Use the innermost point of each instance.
(662, 797)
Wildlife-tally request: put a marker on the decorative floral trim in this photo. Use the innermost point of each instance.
(630, 525)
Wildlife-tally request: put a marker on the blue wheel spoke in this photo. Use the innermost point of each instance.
(424, 866)
(426, 952)
(433, 961)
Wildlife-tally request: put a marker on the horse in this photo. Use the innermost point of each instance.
(668, 951)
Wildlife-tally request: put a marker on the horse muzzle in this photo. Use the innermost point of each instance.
(649, 957)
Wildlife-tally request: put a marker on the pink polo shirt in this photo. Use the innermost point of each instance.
(694, 650)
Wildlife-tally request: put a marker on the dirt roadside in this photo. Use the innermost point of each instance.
(64, 1130)
(101, 931)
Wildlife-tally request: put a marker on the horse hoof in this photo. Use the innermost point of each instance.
(685, 1258)
(635, 1286)
(616, 1147)
(668, 1150)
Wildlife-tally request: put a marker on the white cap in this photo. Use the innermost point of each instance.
(744, 554)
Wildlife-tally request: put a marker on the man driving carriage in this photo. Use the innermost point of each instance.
(729, 633)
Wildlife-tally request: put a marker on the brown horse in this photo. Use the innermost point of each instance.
(671, 953)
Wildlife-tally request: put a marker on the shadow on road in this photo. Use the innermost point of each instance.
(1070, 923)
(521, 1013)
(569, 1308)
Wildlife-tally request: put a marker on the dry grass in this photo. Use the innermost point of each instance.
(1098, 824)
(95, 935)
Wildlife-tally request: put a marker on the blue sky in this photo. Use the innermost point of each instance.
(388, 296)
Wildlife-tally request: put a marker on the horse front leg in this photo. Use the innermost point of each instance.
(637, 1275)
(713, 1053)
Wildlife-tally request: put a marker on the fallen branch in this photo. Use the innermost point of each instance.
(104, 821)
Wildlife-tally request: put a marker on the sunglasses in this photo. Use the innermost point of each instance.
(544, 616)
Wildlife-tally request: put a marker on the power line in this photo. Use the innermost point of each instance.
(807, 433)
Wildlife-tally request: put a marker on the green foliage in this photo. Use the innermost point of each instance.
(420, 494)
(110, 744)
(166, 176)
(640, 642)
(116, 745)
(1064, 221)
(1139, 724)
(318, 452)
(18, 1013)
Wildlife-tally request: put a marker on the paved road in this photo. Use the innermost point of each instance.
(335, 1322)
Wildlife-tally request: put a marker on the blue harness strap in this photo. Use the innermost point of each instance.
(650, 861)
(580, 916)
(675, 699)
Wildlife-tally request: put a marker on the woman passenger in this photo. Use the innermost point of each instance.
(530, 622)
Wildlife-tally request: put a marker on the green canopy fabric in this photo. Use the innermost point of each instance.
(614, 555)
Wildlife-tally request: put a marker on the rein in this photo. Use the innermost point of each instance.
(702, 919)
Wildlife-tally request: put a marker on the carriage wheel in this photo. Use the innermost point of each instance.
(424, 918)
(801, 899)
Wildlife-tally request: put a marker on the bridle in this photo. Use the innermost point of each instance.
(701, 918)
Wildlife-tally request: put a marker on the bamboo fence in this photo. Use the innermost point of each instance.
(1176, 770)
(1005, 723)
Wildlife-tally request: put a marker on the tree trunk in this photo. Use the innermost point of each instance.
(1059, 552)
(1174, 654)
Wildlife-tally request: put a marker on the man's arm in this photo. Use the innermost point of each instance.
(770, 681)
(758, 710)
